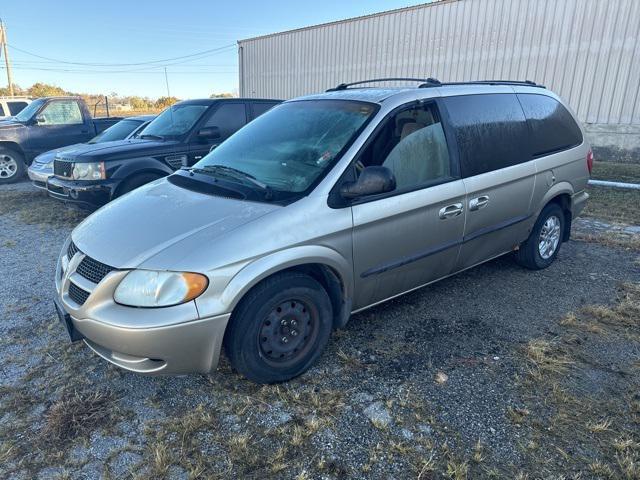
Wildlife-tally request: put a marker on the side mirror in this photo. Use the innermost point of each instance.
(40, 119)
(209, 133)
(372, 181)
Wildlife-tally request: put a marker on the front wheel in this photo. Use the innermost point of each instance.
(279, 329)
(12, 166)
(541, 248)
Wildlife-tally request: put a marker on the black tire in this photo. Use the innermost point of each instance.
(134, 182)
(529, 255)
(12, 166)
(254, 339)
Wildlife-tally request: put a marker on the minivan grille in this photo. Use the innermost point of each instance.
(72, 250)
(77, 294)
(62, 168)
(93, 270)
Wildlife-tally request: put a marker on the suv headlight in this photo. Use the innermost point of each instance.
(88, 171)
(148, 288)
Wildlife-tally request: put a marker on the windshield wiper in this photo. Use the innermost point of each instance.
(234, 172)
(152, 137)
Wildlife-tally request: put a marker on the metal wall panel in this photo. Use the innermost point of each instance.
(587, 51)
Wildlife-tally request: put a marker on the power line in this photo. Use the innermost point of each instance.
(201, 54)
(71, 70)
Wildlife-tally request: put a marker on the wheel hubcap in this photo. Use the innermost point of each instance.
(8, 166)
(288, 331)
(549, 237)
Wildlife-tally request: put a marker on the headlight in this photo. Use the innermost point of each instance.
(88, 171)
(147, 288)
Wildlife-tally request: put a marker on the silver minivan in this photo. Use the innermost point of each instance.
(322, 207)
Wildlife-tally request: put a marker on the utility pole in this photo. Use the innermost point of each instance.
(3, 40)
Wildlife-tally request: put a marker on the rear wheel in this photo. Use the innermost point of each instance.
(279, 329)
(12, 166)
(541, 248)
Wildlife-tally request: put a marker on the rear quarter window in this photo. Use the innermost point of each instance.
(553, 128)
(490, 130)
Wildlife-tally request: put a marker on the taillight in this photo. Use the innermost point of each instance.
(590, 161)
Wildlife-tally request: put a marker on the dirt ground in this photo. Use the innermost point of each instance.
(498, 372)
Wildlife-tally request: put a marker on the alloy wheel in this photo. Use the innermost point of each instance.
(549, 238)
(8, 166)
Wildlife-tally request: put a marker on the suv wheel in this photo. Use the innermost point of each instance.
(279, 329)
(134, 182)
(12, 167)
(541, 248)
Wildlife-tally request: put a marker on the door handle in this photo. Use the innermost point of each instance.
(450, 211)
(478, 203)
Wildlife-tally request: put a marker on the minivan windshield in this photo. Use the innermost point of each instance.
(288, 148)
(174, 121)
(29, 111)
(118, 131)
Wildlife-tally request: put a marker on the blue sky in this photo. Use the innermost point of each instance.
(130, 32)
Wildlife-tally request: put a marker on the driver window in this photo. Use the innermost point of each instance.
(229, 118)
(64, 112)
(412, 145)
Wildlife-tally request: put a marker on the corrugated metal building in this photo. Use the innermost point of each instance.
(588, 51)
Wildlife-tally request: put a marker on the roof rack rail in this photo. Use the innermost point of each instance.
(525, 83)
(434, 82)
(424, 81)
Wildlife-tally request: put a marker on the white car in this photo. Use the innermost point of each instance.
(10, 106)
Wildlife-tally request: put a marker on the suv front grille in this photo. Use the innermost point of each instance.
(62, 168)
(93, 270)
(77, 294)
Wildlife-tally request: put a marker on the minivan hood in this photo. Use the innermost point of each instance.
(119, 149)
(135, 227)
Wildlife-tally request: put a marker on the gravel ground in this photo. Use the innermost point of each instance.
(456, 380)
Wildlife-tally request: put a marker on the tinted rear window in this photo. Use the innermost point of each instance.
(552, 127)
(491, 131)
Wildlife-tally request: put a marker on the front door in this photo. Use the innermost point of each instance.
(61, 124)
(227, 118)
(411, 236)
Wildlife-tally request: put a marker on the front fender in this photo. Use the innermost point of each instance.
(126, 168)
(255, 271)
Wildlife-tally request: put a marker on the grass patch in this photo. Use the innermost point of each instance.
(36, 208)
(614, 239)
(78, 414)
(582, 406)
(616, 172)
(613, 205)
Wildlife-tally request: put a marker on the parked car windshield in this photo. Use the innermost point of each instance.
(30, 110)
(291, 145)
(119, 131)
(175, 120)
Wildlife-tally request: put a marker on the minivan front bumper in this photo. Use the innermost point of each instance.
(190, 347)
(169, 340)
